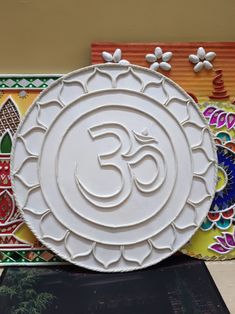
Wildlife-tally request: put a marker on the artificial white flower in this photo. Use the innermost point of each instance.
(116, 57)
(159, 59)
(202, 59)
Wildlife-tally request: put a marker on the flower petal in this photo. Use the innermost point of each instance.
(230, 120)
(35, 202)
(77, 246)
(213, 216)
(56, 233)
(28, 172)
(178, 108)
(47, 112)
(222, 241)
(137, 252)
(214, 117)
(229, 239)
(167, 56)
(201, 53)
(33, 139)
(208, 111)
(198, 191)
(150, 57)
(207, 65)
(221, 119)
(154, 89)
(165, 66)
(194, 133)
(198, 67)
(158, 52)
(105, 80)
(194, 59)
(164, 239)
(107, 56)
(117, 55)
(107, 255)
(218, 248)
(224, 137)
(223, 224)
(228, 213)
(70, 91)
(154, 66)
(123, 80)
(210, 56)
(207, 224)
(186, 217)
(123, 62)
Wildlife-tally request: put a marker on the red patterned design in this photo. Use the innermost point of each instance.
(10, 218)
(5, 181)
(7, 206)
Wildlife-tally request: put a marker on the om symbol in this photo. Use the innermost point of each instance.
(132, 149)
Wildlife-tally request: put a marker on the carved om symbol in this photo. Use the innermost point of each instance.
(132, 149)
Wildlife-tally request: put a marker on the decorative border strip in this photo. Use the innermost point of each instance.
(30, 257)
(27, 81)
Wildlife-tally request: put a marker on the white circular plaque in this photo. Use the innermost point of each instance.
(114, 167)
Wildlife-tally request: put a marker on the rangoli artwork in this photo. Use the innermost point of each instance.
(17, 243)
(206, 71)
(98, 165)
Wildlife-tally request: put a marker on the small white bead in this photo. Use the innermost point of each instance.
(117, 55)
(165, 66)
(207, 65)
(123, 62)
(167, 56)
(150, 57)
(194, 59)
(201, 53)
(107, 56)
(198, 67)
(158, 52)
(210, 56)
(154, 66)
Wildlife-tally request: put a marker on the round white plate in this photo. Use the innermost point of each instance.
(114, 168)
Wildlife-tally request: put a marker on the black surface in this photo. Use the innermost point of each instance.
(178, 285)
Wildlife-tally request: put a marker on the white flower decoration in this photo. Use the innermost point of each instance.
(116, 57)
(202, 59)
(159, 59)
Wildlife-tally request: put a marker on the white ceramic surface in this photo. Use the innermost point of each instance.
(113, 167)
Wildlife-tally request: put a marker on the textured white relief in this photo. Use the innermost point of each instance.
(27, 172)
(124, 159)
(70, 91)
(57, 233)
(99, 163)
(47, 112)
(123, 80)
(137, 253)
(186, 218)
(165, 239)
(32, 139)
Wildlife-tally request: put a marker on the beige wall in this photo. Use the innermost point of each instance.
(54, 36)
